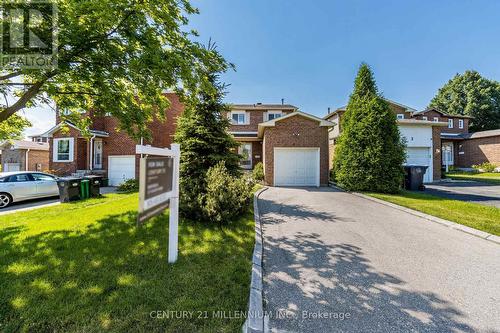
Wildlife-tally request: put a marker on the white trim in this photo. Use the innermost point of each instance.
(280, 112)
(424, 118)
(450, 123)
(246, 118)
(242, 132)
(272, 123)
(460, 123)
(400, 116)
(318, 162)
(435, 119)
(71, 150)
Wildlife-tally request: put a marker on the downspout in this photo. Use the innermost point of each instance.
(26, 160)
(91, 157)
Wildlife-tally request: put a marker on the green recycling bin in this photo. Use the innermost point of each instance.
(84, 188)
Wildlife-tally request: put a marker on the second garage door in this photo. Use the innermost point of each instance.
(420, 156)
(296, 166)
(120, 168)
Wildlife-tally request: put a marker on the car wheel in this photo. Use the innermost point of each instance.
(5, 200)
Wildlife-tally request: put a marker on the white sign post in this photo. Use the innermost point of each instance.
(173, 227)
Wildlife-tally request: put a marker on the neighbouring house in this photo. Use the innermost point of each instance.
(423, 138)
(107, 151)
(20, 155)
(39, 138)
(292, 145)
(459, 147)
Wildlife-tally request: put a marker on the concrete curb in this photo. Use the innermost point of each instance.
(450, 224)
(255, 319)
(29, 208)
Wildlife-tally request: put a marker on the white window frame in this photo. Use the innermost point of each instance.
(276, 112)
(424, 117)
(245, 118)
(400, 116)
(436, 119)
(55, 152)
(450, 123)
(460, 123)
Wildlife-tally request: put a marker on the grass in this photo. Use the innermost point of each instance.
(470, 214)
(85, 267)
(488, 177)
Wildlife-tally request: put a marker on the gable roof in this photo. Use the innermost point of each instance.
(484, 134)
(22, 144)
(441, 113)
(260, 106)
(62, 123)
(272, 123)
(344, 108)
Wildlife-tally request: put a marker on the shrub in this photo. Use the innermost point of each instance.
(370, 153)
(130, 185)
(485, 167)
(258, 172)
(226, 196)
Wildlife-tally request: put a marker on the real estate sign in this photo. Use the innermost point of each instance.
(155, 186)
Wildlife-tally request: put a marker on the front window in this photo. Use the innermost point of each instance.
(245, 150)
(424, 118)
(238, 118)
(460, 123)
(63, 150)
(401, 116)
(436, 119)
(450, 123)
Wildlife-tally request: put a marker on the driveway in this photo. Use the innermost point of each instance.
(334, 262)
(477, 192)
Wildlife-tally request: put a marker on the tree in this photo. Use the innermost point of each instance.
(115, 56)
(472, 95)
(202, 131)
(370, 153)
(12, 128)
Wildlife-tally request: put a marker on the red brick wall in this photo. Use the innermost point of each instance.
(256, 117)
(296, 131)
(480, 150)
(430, 117)
(436, 151)
(38, 157)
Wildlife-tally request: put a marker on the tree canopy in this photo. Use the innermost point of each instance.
(369, 152)
(116, 57)
(12, 128)
(472, 95)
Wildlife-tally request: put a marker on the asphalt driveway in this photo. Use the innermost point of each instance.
(334, 262)
(476, 192)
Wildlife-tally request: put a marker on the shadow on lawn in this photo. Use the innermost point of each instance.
(112, 275)
(339, 279)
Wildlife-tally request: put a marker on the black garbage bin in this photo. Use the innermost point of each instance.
(69, 189)
(95, 185)
(414, 177)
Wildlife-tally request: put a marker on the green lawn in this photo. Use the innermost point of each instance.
(489, 177)
(470, 214)
(85, 267)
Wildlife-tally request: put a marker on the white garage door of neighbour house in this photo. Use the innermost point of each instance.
(420, 156)
(296, 166)
(11, 167)
(120, 168)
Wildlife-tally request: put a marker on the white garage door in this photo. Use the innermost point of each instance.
(120, 168)
(296, 166)
(420, 156)
(11, 167)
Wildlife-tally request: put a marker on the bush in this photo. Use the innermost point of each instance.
(130, 185)
(258, 172)
(226, 196)
(485, 167)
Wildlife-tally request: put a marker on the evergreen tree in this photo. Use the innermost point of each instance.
(370, 153)
(471, 94)
(202, 132)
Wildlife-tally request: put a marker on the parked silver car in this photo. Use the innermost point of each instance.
(24, 185)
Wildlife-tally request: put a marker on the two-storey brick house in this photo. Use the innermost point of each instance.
(292, 145)
(107, 151)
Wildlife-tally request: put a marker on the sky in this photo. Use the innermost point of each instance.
(308, 52)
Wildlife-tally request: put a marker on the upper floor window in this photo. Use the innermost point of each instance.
(424, 118)
(401, 116)
(460, 123)
(238, 118)
(436, 119)
(450, 123)
(273, 115)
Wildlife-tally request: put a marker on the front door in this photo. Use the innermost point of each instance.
(98, 154)
(245, 150)
(447, 153)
